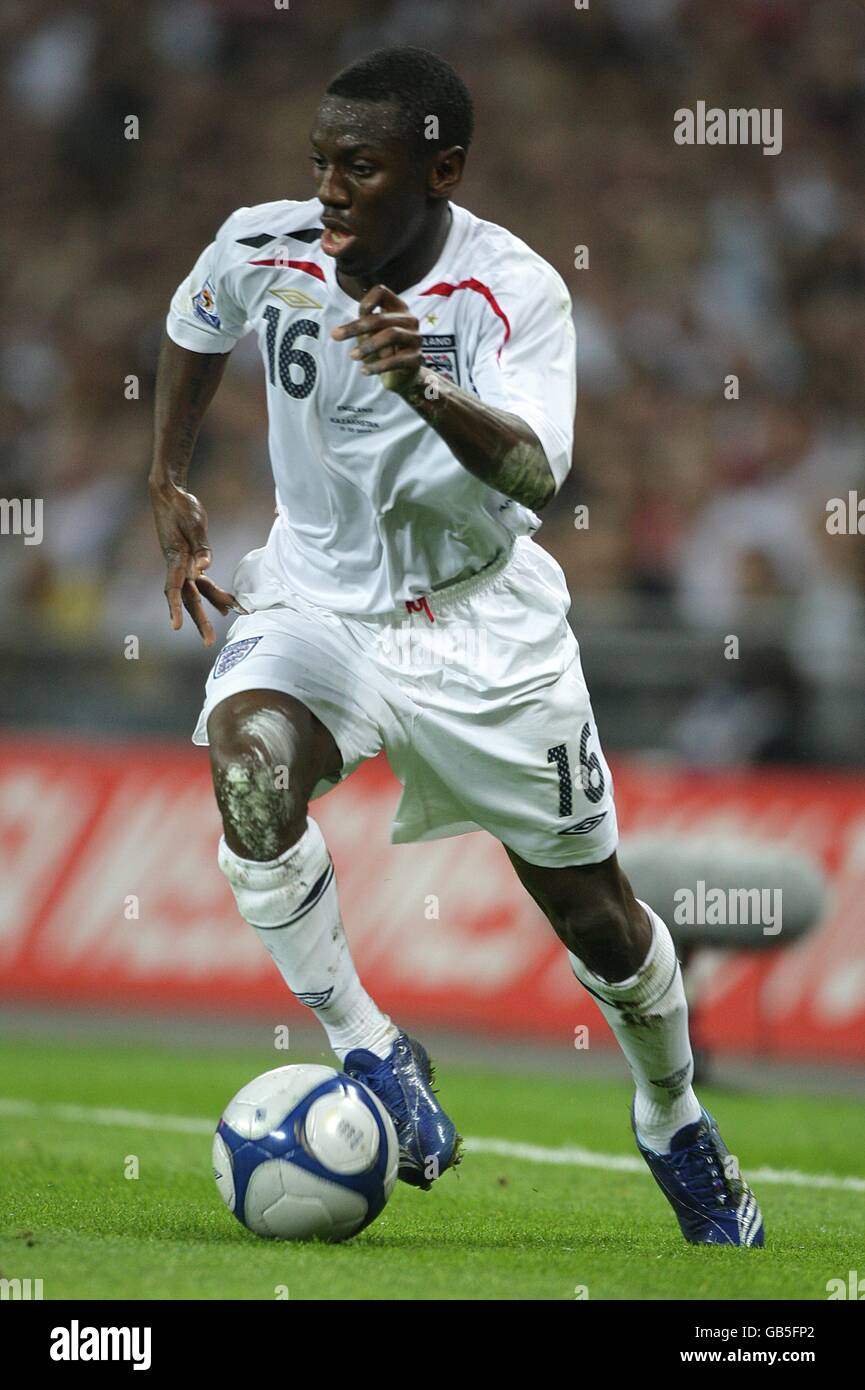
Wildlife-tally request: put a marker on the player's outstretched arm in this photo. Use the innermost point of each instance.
(498, 447)
(185, 385)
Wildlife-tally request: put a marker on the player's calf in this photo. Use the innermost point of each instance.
(623, 954)
(593, 912)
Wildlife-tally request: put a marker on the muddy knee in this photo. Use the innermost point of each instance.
(259, 753)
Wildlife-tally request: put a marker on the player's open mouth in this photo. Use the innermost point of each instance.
(334, 241)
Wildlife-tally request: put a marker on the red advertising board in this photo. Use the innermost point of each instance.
(110, 894)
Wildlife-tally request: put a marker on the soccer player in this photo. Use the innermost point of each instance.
(420, 367)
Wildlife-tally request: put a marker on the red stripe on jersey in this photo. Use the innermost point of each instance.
(309, 266)
(480, 288)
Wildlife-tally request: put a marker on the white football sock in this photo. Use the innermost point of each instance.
(648, 1014)
(292, 903)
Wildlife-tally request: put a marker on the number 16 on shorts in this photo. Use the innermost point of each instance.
(589, 778)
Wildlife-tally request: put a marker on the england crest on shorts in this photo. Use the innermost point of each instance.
(230, 655)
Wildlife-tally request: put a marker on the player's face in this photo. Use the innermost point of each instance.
(374, 193)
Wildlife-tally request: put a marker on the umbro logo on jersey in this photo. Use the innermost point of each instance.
(584, 826)
(439, 351)
(296, 299)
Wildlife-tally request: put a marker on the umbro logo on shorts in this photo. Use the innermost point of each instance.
(230, 655)
(584, 826)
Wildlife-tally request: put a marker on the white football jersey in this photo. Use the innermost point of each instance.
(372, 507)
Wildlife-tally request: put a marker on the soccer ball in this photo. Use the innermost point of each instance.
(303, 1153)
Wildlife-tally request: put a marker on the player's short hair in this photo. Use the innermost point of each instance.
(422, 85)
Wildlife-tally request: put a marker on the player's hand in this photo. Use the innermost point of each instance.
(389, 340)
(181, 524)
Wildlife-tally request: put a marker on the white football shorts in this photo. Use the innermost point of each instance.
(475, 693)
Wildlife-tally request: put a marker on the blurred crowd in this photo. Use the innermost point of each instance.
(706, 506)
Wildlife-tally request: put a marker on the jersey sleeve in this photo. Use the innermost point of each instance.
(204, 315)
(526, 364)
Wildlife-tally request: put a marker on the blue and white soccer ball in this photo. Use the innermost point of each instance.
(305, 1152)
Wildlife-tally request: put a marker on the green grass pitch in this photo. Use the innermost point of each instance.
(502, 1227)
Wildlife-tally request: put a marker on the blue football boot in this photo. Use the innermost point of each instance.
(428, 1140)
(713, 1203)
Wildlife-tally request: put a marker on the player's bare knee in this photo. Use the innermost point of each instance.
(255, 752)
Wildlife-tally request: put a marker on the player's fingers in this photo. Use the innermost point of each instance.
(194, 607)
(174, 581)
(399, 338)
(396, 362)
(175, 608)
(364, 323)
(358, 327)
(372, 323)
(220, 598)
(203, 557)
(380, 297)
(368, 323)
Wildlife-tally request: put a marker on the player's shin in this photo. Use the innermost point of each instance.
(292, 903)
(648, 1015)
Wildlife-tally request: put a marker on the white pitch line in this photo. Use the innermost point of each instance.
(504, 1148)
(586, 1158)
(101, 1115)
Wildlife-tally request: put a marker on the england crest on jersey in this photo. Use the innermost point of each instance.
(439, 351)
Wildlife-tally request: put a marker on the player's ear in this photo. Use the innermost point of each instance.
(446, 171)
